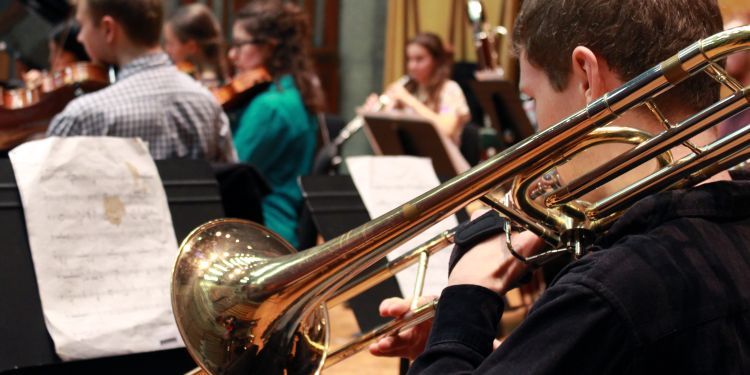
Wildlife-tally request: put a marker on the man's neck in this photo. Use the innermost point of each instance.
(681, 151)
(126, 54)
(642, 120)
(700, 140)
(646, 121)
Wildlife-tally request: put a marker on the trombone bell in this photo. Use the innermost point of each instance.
(220, 309)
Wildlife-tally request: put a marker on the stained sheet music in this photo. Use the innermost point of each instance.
(386, 182)
(102, 242)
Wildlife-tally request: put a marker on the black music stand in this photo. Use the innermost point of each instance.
(499, 100)
(193, 197)
(242, 189)
(336, 207)
(391, 134)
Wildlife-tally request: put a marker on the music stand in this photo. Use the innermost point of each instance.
(392, 134)
(336, 207)
(193, 197)
(499, 100)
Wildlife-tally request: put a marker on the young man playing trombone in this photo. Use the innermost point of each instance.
(665, 289)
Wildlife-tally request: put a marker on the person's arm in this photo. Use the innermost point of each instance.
(74, 120)
(449, 124)
(463, 331)
(411, 342)
(571, 330)
(571, 314)
(450, 117)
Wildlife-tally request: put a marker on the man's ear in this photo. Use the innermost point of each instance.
(109, 27)
(589, 73)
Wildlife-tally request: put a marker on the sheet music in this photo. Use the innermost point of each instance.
(102, 242)
(386, 182)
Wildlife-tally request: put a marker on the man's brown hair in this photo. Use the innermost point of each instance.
(631, 35)
(141, 19)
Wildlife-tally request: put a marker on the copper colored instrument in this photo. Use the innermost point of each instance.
(242, 88)
(83, 76)
(27, 111)
(187, 67)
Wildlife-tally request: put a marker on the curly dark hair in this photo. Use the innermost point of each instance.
(287, 27)
(443, 58)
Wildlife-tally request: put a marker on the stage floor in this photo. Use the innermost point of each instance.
(344, 328)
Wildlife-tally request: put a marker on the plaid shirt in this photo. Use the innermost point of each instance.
(154, 101)
(665, 291)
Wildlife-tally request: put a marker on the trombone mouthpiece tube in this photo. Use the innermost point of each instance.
(384, 100)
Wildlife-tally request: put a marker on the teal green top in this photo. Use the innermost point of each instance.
(277, 135)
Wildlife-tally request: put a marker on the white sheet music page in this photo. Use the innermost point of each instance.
(387, 182)
(102, 242)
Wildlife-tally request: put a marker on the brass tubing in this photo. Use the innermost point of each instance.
(728, 162)
(550, 214)
(684, 168)
(421, 314)
(419, 283)
(721, 44)
(649, 149)
(528, 223)
(393, 267)
(720, 75)
(663, 119)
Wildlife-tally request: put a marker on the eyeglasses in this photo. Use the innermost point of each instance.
(240, 43)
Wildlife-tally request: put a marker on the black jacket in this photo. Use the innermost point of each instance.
(665, 291)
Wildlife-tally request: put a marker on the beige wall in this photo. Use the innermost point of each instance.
(436, 16)
(730, 7)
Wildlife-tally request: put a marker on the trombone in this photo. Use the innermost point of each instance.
(246, 302)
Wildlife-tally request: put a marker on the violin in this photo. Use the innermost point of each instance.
(187, 67)
(208, 77)
(27, 111)
(242, 88)
(19, 98)
(84, 76)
